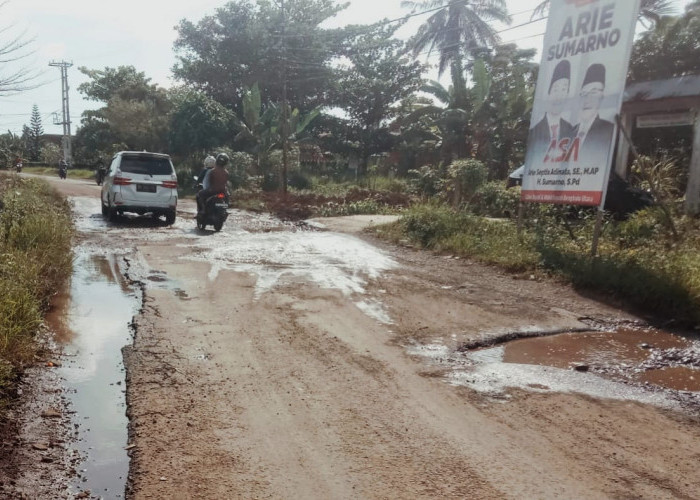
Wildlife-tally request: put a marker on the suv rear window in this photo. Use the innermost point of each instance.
(147, 165)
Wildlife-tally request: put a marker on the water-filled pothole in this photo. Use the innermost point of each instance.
(92, 324)
(638, 364)
(637, 354)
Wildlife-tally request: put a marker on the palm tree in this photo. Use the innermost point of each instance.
(456, 28)
(650, 12)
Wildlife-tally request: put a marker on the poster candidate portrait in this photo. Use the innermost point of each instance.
(578, 96)
(545, 135)
(593, 133)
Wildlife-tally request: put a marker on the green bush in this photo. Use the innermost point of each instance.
(640, 227)
(430, 223)
(466, 177)
(493, 199)
(426, 181)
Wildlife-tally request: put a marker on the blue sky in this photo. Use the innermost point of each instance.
(141, 33)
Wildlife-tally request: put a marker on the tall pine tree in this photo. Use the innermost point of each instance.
(36, 130)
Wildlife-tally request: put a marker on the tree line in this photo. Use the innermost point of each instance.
(355, 94)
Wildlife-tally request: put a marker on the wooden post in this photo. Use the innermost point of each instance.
(285, 104)
(597, 230)
(623, 145)
(521, 210)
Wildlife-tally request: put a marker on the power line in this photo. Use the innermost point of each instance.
(367, 28)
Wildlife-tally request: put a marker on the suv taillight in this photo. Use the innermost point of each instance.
(121, 181)
(170, 184)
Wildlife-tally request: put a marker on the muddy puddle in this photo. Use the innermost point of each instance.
(92, 325)
(638, 353)
(638, 364)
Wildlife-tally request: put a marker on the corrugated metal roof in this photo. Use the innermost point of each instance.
(682, 86)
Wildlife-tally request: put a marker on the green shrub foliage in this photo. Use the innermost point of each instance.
(35, 262)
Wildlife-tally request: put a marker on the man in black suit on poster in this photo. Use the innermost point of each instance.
(544, 137)
(593, 133)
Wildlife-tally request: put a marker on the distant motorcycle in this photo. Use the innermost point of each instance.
(18, 167)
(215, 210)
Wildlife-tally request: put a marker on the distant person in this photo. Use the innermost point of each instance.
(593, 133)
(546, 135)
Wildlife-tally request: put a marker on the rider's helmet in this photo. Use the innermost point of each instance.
(209, 162)
(222, 159)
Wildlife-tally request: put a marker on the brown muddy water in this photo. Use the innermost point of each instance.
(92, 325)
(639, 353)
(626, 362)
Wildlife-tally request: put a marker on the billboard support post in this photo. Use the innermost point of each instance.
(596, 231)
(521, 209)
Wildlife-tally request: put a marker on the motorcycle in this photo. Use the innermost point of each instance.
(215, 210)
(63, 172)
(18, 168)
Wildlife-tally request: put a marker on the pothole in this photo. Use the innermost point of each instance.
(634, 363)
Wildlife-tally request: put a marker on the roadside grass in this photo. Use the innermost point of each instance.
(35, 262)
(73, 173)
(639, 262)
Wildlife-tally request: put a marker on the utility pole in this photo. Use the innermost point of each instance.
(66, 141)
(285, 105)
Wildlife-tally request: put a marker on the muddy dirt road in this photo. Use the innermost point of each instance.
(274, 360)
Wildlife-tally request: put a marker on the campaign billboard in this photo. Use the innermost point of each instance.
(578, 96)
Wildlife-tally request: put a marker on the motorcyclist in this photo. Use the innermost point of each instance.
(216, 181)
(100, 171)
(209, 163)
(62, 169)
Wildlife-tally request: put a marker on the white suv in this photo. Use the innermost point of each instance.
(140, 182)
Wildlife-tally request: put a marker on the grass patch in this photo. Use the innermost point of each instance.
(639, 262)
(35, 262)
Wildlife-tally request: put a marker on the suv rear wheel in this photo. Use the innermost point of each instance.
(170, 218)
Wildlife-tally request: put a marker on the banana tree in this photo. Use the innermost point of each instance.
(451, 118)
(260, 126)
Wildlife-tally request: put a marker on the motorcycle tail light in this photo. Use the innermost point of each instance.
(221, 196)
(121, 181)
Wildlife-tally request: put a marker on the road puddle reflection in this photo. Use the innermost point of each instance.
(92, 324)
